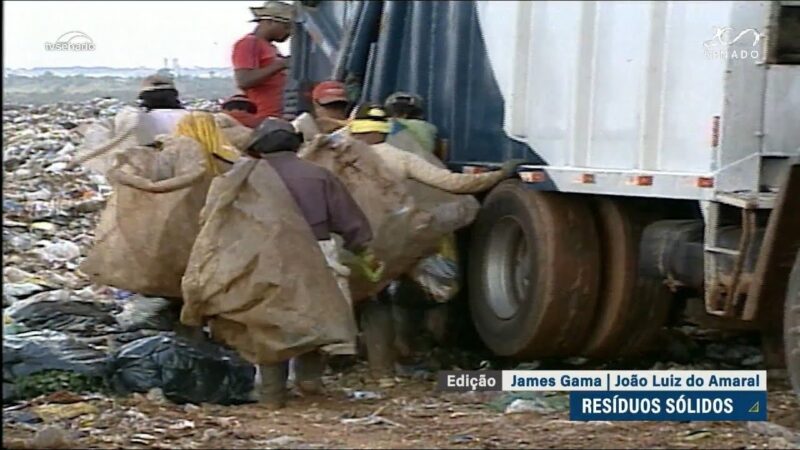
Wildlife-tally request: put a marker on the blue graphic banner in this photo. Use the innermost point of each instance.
(668, 405)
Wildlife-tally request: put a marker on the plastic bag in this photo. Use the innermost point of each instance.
(185, 370)
(149, 313)
(438, 274)
(58, 312)
(36, 351)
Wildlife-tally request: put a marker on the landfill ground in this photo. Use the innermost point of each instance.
(409, 415)
(49, 213)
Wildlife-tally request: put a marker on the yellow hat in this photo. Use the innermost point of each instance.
(358, 126)
(369, 118)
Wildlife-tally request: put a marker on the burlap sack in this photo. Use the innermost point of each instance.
(237, 134)
(147, 229)
(104, 139)
(257, 275)
(408, 219)
(439, 274)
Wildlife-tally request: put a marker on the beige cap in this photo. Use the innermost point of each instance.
(157, 82)
(273, 10)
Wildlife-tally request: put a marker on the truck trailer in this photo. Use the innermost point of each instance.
(662, 149)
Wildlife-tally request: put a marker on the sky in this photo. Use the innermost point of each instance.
(125, 33)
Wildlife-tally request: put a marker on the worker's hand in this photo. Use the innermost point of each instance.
(372, 267)
(509, 167)
(285, 62)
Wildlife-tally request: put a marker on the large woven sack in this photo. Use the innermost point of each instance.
(236, 133)
(105, 138)
(438, 274)
(408, 219)
(147, 229)
(256, 274)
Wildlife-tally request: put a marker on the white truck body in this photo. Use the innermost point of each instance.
(647, 98)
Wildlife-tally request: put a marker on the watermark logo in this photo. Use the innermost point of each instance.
(719, 46)
(71, 41)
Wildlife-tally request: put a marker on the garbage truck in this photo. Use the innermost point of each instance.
(662, 149)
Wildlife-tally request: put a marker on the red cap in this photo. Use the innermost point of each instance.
(329, 92)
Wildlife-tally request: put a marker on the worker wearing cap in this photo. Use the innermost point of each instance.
(162, 109)
(408, 123)
(259, 68)
(370, 124)
(329, 113)
(242, 109)
(328, 208)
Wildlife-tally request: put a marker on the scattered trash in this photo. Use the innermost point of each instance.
(461, 439)
(22, 290)
(150, 313)
(371, 420)
(696, 435)
(36, 351)
(56, 412)
(387, 383)
(540, 402)
(15, 275)
(51, 437)
(186, 371)
(21, 417)
(282, 441)
(524, 406)
(365, 395)
(156, 395)
(53, 312)
(775, 430)
(182, 425)
(143, 439)
(60, 251)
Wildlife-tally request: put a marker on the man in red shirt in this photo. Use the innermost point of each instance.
(259, 68)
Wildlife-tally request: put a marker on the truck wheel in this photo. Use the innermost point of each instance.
(534, 272)
(630, 309)
(791, 326)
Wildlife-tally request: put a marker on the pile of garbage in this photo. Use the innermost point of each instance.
(60, 332)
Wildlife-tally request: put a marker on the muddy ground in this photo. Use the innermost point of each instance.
(410, 414)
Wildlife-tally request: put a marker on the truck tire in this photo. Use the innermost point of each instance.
(791, 326)
(534, 272)
(631, 309)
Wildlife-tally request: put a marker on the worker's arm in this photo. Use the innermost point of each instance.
(248, 54)
(416, 168)
(346, 217)
(247, 78)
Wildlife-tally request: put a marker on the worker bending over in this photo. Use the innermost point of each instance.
(328, 208)
(370, 124)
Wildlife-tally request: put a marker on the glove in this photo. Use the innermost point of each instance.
(369, 264)
(509, 167)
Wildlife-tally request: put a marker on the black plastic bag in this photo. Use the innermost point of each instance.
(37, 351)
(56, 311)
(185, 370)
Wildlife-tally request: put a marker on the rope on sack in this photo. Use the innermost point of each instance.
(140, 183)
(133, 122)
(202, 127)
